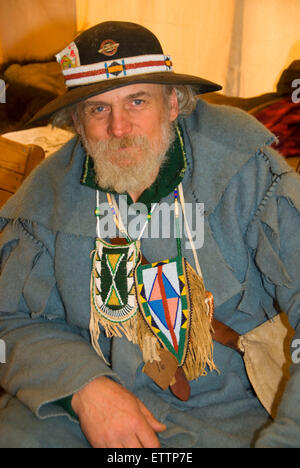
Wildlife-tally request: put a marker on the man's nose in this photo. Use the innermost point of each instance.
(119, 124)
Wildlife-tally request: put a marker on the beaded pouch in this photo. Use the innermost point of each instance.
(113, 292)
(173, 303)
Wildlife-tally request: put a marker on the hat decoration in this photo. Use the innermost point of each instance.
(76, 75)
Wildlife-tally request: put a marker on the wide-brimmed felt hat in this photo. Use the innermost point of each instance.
(111, 55)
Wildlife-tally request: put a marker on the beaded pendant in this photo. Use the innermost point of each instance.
(165, 305)
(113, 292)
(173, 302)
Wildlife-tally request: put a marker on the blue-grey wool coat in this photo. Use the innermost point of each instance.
(250, 257)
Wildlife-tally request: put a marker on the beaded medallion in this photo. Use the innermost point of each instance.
(113, 288)
(113, 292)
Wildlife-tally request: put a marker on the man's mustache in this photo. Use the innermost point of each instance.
(116, 144)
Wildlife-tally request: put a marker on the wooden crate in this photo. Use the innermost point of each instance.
(16, 162)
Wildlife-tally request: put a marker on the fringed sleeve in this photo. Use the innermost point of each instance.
(47, 358)
(273, 237)
(26, 268)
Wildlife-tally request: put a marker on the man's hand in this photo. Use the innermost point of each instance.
(112, 417)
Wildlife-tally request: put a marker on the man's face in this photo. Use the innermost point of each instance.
(127, 132)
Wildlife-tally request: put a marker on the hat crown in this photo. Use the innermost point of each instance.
(115, 39)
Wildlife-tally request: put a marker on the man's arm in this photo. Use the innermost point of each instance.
(47, 358)
(285, 430)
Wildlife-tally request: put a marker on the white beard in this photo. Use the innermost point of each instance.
(129, 177)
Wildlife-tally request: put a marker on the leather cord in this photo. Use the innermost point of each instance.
(225, 335)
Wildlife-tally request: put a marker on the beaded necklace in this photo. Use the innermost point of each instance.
(118, 219)
(119, 223)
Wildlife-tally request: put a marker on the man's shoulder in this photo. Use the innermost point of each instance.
(220, 142)
(60, 159)
(229, 126)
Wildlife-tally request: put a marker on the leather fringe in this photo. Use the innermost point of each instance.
(200, 348)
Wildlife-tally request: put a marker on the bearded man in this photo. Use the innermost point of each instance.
(104, 347)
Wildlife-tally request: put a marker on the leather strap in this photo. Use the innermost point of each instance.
(225, 335)
(181, 388)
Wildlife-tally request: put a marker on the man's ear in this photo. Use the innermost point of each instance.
(76, 122)
(174, 108)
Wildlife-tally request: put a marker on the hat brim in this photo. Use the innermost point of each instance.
(80, 93)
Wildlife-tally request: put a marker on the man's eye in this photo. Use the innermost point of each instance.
(138, 102)
(99, 109)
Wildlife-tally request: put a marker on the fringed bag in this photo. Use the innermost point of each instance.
(172, 301)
